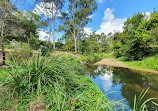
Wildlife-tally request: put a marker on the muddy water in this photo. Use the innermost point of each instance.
(119, 83)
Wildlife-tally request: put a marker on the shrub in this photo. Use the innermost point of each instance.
(46, 49)
(91, 58)
(24, 52)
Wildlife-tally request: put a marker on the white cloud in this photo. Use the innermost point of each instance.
(147, 15)
(88, 30)
(106, 76)
(90, 17)
(101, 1)
(110, 23)
(43, 35)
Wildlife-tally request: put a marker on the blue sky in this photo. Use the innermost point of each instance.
(110, 15)
(120, 10)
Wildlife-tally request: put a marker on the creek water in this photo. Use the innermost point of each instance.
(120, 83)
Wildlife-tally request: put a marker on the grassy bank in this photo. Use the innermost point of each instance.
(149, 63)
(54, 83)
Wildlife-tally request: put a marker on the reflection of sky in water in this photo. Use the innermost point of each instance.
(104, 81)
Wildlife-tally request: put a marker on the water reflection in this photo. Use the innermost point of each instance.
(125, 83)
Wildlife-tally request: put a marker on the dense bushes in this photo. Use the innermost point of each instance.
(91, 58)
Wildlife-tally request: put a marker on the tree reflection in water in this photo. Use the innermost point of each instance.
(129, 83)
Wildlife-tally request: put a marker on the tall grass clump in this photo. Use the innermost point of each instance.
(140, 103)
(50, 83)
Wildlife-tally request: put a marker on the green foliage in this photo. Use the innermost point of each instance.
(46, 49)
(139, 33)
(59, 46)
(92, 58)
(3, 74)
(34, 42)
(109, 55)
(85, 47)
(154, 34)
(135, 49)
(69, 45)
(96, 43)
(132, 24)
(22, 52)
(147, 63)
(76, 18)
(122, 58)
(56, 83)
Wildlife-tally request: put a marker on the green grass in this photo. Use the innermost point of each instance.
(50, 83)
(110, 55)
(3, 74)
(148, 63)
(92, 58)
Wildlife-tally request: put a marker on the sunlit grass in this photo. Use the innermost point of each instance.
(148, 63)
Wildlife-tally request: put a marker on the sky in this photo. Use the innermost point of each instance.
(110, 14)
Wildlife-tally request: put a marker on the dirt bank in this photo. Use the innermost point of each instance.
(115, 63)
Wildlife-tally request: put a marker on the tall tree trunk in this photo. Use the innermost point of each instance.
(53, 33)
(78, 43)
(75, 40)
(2, 44)
(3, 53)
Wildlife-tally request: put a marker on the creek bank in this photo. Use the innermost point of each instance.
(115, 63)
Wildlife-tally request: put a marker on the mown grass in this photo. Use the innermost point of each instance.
(148, 63)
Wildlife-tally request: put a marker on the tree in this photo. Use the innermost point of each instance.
(135, 43)
(77, 17)
(154, 34)
(52, 10)
(69, 45)
(9, 24)
(30, 22)
(132, 24)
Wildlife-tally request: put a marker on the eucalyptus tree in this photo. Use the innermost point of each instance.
(51, 9)
(77, 17)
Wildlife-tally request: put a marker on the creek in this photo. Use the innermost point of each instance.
(120, 83)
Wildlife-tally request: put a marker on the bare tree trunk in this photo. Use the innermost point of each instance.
(78, 46)
(75, 40)
(2, 44)
(3, 53)
(53, 33)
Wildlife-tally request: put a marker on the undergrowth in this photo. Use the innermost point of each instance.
(92, 58)
(54, 83)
